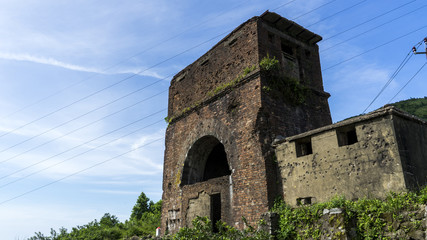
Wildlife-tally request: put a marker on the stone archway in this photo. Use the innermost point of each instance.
(205, 160)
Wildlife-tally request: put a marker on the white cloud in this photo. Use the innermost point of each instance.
(53, 62)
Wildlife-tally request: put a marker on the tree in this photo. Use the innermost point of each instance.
(142, 205)
(109, 220)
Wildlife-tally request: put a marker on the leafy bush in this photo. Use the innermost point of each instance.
(300, 223)
(202, 229)
(269, 64)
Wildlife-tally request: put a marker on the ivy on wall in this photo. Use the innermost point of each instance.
(281, 86)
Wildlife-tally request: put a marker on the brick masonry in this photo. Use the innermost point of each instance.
(242, 117)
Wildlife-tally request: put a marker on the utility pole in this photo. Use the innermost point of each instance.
(414, 49)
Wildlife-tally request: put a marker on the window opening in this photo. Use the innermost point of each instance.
(215, 210)
(206, 159)
(304, 201)
(288, 51)
(216, 164)
(303, 147)
(347, 136)
(270, 37)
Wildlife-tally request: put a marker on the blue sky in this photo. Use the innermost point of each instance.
(84, 90)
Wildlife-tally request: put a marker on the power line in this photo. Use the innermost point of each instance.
(84, 114)
(119, 63)
(112, 85)
(313, 10)
(369, 20)
(337, 13)
(80, 154)
(80, 145)
(274, 9)
(419, 70)
(78, 172)
(397, 71)
(86, 125)
(369, 30)
(399, 68)
(374, 48)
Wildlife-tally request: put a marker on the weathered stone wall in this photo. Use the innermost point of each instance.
(370, 166)
(222, 64)
(196, 199)
(298, 59)
(246, 188)
(411, 134)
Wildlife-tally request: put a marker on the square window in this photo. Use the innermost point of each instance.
(303, 147)
(304, 201)
(347, 136)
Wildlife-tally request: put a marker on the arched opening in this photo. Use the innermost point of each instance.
(205, 160)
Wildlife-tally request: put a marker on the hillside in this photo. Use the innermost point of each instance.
(414, 106)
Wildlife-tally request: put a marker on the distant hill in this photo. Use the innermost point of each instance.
(414, 106)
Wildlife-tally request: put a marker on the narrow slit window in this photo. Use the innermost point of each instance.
(215, 211)
(303, 147)
(271, 37)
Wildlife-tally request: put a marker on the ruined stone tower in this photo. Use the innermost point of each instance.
(224, 113)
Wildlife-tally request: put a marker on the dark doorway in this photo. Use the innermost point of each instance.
(215, 210)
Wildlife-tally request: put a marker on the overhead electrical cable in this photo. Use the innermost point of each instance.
(371, 29)
(333, 15)
(274, 9)
(313, 10)
(120, 62)
(79, 154)
(374, 48)
(86, 125)
(92, 94)
(419, 70)
(112, 85)
(396, 72)
(369, 20)
(84, 114)
(401, 65)
(78, 172)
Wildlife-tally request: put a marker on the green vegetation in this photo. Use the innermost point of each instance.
(373, 217)
(144, 220)
(214, 92)
(269, 64)
(203, 230)
(232, 83)
(282, 86)
(414, 106)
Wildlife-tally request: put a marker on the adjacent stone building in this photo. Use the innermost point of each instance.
(249, 121)
(365, 156)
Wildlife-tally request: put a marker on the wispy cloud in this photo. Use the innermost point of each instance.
(54, 62)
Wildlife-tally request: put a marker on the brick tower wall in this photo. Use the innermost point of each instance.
(221, 97)
(197, 109)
